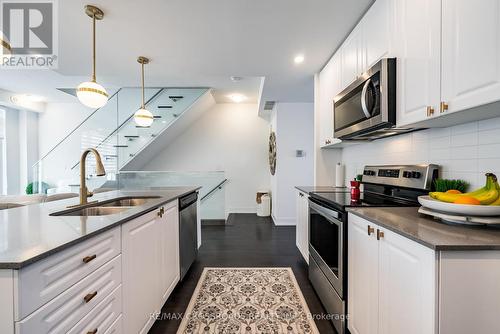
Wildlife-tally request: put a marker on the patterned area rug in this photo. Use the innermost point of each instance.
(247, 301)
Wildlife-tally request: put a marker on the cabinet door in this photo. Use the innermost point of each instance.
(471, 53)
(377, 32)
(302, 228)
(352, 56)
(407, 286)
(362, 254)
(169, 251)
(141, 279)
(417, 45)
(327, 79)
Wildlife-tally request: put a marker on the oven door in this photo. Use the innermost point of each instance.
(326, 243)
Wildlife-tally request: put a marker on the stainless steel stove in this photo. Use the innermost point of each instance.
(384, 186)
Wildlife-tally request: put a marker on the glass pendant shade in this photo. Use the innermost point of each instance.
(143, 117)
(92, 95)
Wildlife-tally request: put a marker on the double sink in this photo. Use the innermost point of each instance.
(105, 208)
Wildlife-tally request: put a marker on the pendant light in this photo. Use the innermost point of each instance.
(6, 48)
(90, 93)
(143, 117)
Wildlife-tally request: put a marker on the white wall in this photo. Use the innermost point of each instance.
(294, 127)
(228, 137)
(464, 151)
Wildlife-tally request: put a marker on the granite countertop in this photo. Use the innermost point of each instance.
(430, 232)
(320, 189)
(29, 233)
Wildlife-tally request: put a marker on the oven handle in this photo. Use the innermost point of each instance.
(332, 215)
(363, 99)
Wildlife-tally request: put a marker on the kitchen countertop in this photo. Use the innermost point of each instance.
(320, 189)
(29, 233)
(430, 232)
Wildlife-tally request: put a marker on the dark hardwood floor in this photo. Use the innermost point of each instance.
(247, 241)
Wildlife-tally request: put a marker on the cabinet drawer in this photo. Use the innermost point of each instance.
(63, 312)
(46, 279)
(103, 316)
(116, 327)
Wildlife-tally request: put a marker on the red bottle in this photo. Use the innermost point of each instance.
(355, 192)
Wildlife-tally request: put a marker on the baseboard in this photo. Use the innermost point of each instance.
(284, 221)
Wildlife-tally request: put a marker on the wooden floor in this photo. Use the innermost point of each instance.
(248, 241)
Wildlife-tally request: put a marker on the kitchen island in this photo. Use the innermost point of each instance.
(68, 270)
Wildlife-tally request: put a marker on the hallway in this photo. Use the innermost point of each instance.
(246, 241)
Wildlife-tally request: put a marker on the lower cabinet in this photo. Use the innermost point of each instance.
(302, 227)
(391, 284)
(150, 266)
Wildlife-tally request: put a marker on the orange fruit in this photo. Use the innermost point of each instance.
(467, 200)
(453, 191)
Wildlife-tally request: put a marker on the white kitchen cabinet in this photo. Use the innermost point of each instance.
(302, 227)
(169, 251)
(353, 57)
(418, 51)
(407, 281)
(363, 277)
(470, 53)
(377, 33)
(329, 87)
(392, 282)
(141, 279)
(150, 253)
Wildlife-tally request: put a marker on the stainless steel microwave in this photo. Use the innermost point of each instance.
(366, 109)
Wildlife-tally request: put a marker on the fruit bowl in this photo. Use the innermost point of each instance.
(459, 209)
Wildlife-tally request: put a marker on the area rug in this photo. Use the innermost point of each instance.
(247, 301)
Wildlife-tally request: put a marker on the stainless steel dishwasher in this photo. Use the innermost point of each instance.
(188, 231)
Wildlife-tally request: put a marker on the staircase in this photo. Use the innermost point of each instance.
(113, 132)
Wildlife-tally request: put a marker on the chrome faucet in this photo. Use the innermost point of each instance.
(84, 193)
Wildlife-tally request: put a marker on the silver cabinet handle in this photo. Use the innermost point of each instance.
(363, 99)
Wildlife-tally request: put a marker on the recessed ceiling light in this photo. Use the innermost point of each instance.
(236, 79)
(299, 59)
(237, 98)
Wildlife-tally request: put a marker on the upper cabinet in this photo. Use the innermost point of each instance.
(329, 86)
(377, 27)
(471, 53)
(353, 56)
(417, 44)
(448, 60)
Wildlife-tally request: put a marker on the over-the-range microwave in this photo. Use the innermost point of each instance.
(366, 109)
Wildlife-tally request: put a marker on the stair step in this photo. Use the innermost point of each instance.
(165, 107)
(175, 98)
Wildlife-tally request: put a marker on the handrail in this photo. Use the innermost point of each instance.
(124, 122)
(72, 131)
(219, 186)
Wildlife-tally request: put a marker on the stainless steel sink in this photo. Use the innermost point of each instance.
(93, 211)
(106, 208)
(135, 201)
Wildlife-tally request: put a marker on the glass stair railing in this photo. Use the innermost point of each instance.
(113, 132)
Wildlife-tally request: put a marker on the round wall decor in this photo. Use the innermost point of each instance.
(272, 153)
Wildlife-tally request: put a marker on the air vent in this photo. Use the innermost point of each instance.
(269, 105)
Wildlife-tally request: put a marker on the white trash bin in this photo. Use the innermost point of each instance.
(264, 207)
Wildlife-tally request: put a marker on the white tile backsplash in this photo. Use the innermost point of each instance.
(465, 151)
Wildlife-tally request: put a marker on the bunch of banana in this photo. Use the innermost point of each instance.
(487, 195)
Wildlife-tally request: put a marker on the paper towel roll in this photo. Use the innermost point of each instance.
(339, 175)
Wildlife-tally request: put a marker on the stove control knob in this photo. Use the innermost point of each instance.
(416, 175)
(407, 174)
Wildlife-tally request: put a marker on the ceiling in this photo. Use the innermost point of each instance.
(197, 43)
